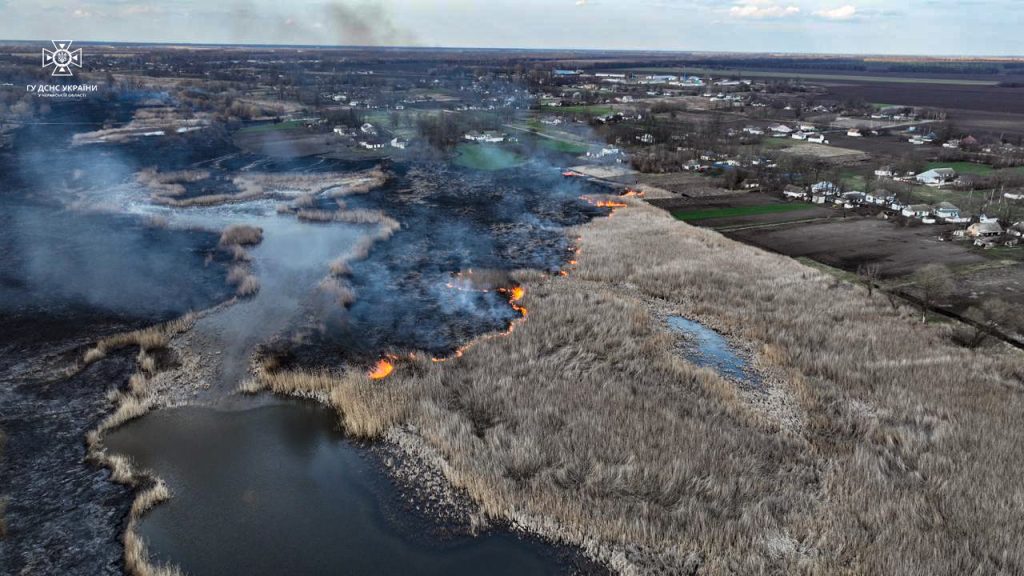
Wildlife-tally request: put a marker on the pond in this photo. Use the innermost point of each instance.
(278, 489)
(705, 347)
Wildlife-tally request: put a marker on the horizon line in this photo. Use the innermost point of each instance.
(1003, 57)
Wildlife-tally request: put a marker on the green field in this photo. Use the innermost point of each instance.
(737, 211)
(486, 157)
(562, 146)
(963, 167)
(720, 72)
(852, 180)
(594, 110)
(273, 127)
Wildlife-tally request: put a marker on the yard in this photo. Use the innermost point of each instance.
(486, 157)
(273, 127)
(739, 211)
(593, 110)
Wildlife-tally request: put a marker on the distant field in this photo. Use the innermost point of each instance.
(738, 211)
(894, 79)
(272, 127)
(562, 146)
(596, 110)
(963, 167)
(486, 157)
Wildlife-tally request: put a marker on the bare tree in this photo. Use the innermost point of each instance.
(990, 316)
(869, 274)
(934, 282)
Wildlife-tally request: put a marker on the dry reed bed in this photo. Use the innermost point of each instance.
(135, 400)
(583, 425)
(336, 184)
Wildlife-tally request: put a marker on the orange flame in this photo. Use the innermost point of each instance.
(515, 294)
(633, 193)
(382, 370)
(602, 203)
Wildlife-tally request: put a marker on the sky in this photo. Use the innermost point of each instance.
(918, 27)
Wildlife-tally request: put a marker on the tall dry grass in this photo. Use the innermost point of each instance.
(337, 184)
(241, 235)
(132, 402)
(152, 338)
(583, 424)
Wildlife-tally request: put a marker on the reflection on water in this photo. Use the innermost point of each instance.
(703, 346)
(276, 490)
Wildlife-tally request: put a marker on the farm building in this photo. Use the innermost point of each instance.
(937, 176)
(984, 230)
(917, 211)
(947, 211)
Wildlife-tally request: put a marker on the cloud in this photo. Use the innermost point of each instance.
(762, 9)
(841, 13)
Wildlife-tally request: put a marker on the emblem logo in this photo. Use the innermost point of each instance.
(62, 58)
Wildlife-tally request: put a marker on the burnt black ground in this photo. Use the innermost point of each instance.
(68, 278)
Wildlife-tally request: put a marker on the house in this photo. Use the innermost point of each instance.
(1017, 229)
(487, 137)
(826, 188)
(985, 230)
(399, 143)
(853, 133)
(794, 192)
(807, 127)
(947, 211)
(781, 129)
(604, 152)
(937, 176)
(645, 138)
(1013, 195)
(879, 199)
(368, 129)
(951, 144)
(754, 130)
(371, 144)
(885, 172)
(339, 130)
(917, 211)
(799, 136)
(817, 139)
(854, 198)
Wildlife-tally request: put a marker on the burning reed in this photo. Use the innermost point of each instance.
(584, 424)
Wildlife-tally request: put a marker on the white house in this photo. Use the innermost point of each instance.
(368, 129)
(781, 129)
(488, 137)
(799, 136)
(917, 211)
(984, 230)
(399, 143)
(947, 211)
(827, 188)
(853, 133)
(817, 139)
(794, 192)
(937, 176)
(885, 172)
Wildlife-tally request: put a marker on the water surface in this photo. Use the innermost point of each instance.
(278, 490)
(707, 348)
